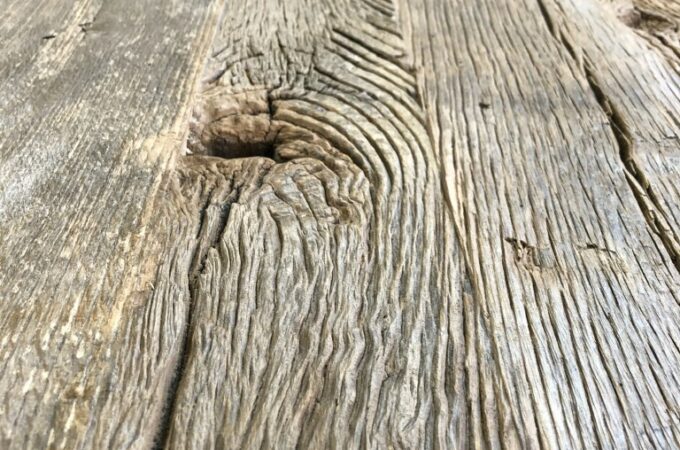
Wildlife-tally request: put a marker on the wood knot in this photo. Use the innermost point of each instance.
(246, 124)
(233, 125)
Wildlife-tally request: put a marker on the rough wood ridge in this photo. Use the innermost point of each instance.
(345, 224)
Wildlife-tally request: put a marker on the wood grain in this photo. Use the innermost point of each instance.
(89, 119)
(633, 71)
(574, 322)
(320, 304)
(346, 224)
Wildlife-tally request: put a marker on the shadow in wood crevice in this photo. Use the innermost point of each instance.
(233, 125)
(224, 147)
(649, 21)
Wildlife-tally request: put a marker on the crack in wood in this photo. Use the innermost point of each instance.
(238, 134)
(644, 195)
(196, 270)
(638, 182)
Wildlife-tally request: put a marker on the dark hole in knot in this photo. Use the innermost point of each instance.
(235, 136)
(228, 148)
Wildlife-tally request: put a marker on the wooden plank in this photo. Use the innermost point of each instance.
(94, 101)
(327, 279)
(575, 311)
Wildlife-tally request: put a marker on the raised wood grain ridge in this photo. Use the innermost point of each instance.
(345, 224)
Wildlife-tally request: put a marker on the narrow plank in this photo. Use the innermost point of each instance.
(93, 106)
(572, 334)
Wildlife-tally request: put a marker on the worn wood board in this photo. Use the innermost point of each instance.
(356, 223)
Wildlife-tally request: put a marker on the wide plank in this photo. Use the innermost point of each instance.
(327, 279)
(573, 337)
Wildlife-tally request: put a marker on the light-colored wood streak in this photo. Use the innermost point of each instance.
(574, 337)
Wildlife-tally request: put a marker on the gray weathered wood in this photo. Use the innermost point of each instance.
(94, 102)
(355, 223)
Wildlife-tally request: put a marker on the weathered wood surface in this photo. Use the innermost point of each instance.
(574, 317)
(356, 223)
